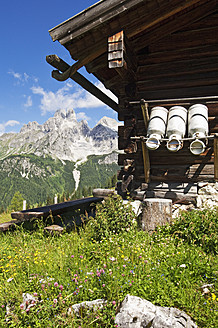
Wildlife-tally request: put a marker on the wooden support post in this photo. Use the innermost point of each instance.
(156, 212)
(146, 162)
(144, 107)
(215, 147)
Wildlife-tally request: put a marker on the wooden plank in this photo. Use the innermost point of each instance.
(216, 157)
(204, 51)
(187, 39)
(91, 18)
(179, 92)
(116, 57)
(180, 67)
(182, 19)
(183, 80)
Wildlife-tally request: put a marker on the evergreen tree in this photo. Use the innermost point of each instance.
(16, 202)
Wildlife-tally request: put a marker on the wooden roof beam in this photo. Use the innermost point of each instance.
(58, 63)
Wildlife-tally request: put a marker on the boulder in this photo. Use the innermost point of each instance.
(136, 312)
(90, 305)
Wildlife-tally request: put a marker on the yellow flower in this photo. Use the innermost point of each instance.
(213, 296)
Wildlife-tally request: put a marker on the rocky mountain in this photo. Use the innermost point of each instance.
(62, 155)
(62, 137)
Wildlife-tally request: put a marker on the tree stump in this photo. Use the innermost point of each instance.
(156, 212)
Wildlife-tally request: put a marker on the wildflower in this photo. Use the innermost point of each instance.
(35, 294)
(21, 306)
(213, 296)
(103, 285)
(112, 258)
(10, 279)
(183, 266)
(81, 256)
(72, 256)
(61, 287)
(114, 302)
(55, 301)
(56, 284)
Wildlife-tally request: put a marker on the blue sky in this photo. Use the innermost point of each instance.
(27, 90)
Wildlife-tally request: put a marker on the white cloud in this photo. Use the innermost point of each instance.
(82, 116)
(8, 123)
(69, 96)
(29, 102)
(22, 78)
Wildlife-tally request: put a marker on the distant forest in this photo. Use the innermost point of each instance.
(45, 178)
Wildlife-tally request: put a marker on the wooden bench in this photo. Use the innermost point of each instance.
(56, 209)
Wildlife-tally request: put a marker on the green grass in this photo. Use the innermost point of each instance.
(74, 267)
(5, 217)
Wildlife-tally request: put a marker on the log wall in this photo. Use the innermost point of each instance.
(165, 166)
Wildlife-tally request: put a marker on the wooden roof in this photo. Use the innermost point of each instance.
(170, 46)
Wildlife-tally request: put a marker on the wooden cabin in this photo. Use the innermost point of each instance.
(149, 53)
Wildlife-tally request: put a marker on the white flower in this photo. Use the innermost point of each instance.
(183, 266)
(112, 258)
(10, 279)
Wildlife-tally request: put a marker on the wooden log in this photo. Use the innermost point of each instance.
(103, 192)
(156, 212)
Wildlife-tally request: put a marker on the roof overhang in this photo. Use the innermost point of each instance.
(90, 18)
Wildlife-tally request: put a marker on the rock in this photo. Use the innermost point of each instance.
(136, 312)
(91, 305)
(54, 229)
(136, 206)
(28, 301)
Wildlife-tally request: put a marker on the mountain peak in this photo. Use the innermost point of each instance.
(109, 123)
(65, 114)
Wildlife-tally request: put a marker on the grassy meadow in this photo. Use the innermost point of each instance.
(109, 258)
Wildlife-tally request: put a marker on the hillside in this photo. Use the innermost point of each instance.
(57, 157)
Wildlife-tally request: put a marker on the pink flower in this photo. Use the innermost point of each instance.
(56, 284)
(42, 286)
(55, 301)
(27, 310)
(72, 256)
(35, 294)
(104, 265)
(21, 306)
(61, 287)
(114, 302)
(81, 256)
(103, 285)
